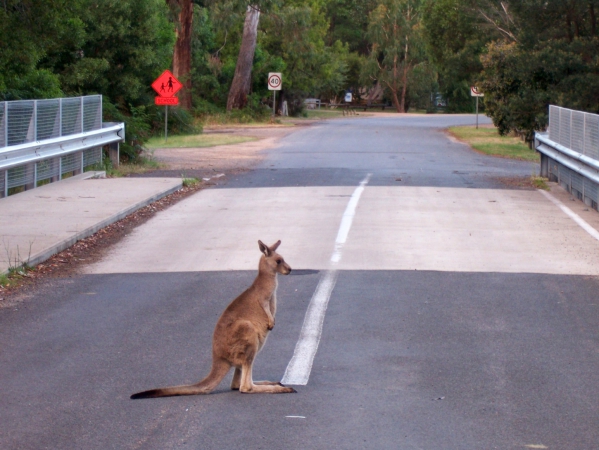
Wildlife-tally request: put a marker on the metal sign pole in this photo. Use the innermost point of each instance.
(274, 101)
(165, 123)
(477, 112)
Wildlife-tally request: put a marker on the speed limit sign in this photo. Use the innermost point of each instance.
(274, 81)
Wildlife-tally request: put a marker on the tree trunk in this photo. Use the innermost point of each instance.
(242, 80)
(593, 19)
(182, 53)
(404, 79)
(395, 101)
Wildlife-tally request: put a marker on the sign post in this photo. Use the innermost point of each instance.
(275, 81)
(166, 86)
(475, 92)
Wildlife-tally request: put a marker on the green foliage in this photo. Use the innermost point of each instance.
(348, 20)
(525, 54)
(454, 41)
(30, 33)
(550, 56)
(53, 48)
(394, 29)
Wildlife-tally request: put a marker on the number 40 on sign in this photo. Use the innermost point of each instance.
(275, 81)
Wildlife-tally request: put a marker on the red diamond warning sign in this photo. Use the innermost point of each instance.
(166, 85)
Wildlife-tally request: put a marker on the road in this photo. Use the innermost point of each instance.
(430, 307)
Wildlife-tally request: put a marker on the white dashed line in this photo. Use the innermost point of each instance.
(299, 368)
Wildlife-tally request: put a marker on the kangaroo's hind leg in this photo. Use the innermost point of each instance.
(261, 387)
(236, 383)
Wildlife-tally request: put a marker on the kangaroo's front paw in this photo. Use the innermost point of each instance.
(270, 325)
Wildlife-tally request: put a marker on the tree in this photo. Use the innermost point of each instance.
(32, 34)
(348, 21)
(547, 56)
(455, 37)
(395, 46)
(183, 10)
(241, 84)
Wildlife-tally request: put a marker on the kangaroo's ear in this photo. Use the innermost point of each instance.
(263, 248)
(275, 246)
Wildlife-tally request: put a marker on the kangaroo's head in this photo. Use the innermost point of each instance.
(272, 260)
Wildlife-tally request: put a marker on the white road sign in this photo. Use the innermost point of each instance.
(275, 81)
(474, 92)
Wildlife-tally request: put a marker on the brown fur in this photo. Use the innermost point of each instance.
(240, 333)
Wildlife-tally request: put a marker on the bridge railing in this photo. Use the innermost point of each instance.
(44, 140)
(570, 152)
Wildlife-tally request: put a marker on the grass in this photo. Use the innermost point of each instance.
(17, 268)
(4, 280)
(323, 113)
(14, 275)
(486, 140)
(190, 182)
(142, 164)
(540, 182)
(196, 140)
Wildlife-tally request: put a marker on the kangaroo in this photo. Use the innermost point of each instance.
(240, 333)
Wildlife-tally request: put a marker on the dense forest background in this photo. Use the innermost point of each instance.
(523, 54)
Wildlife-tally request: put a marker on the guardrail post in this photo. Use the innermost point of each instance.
(6, 183)
(31, 185)
(544, 161)
(113, 154)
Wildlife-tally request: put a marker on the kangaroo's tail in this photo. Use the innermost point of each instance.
(218, 372)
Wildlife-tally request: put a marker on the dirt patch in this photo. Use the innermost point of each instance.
(525, 183)
(201, 162)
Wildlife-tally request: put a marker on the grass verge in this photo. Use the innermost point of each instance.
(323, 113)
(14, 275)
(488, 141)
(191, 182)
(141, 165)
(540, 182)
(196, 140)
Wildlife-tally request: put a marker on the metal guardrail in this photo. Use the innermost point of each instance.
(570, 152)
(43, 140)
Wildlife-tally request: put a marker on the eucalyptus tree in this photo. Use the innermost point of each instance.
(32, 35)
(545, 53)
(396, 46)
(455, 37)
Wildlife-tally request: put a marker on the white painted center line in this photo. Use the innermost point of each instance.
(579, 220)
(299, 368)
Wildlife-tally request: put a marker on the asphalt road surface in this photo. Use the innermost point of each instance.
(430, 307)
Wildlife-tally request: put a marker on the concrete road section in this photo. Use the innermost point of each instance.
(36, 224)
(395, 228)
(431, 306)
